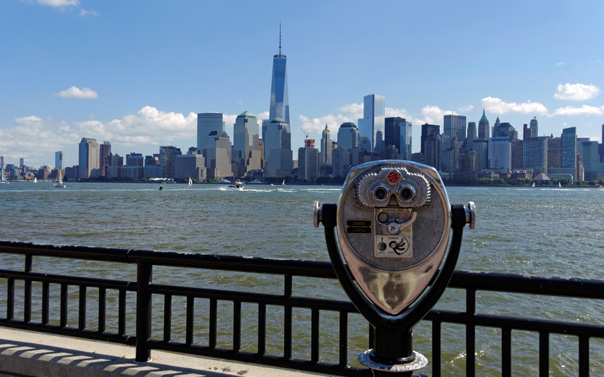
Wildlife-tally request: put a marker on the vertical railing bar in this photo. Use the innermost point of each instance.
(190, 320)
(122, 312)
(143, 310)
(237, 326)
(213, 321)
(343, 339)
(45, 302)
(261, 329)
(436, 348)
(82, 308)
(314, 338)
(543, 354)
(470, 332)
(27, 290)
(506, 352)
(287, 321)
(10, 299)
(288, 283)
(287, 332)
(167, 317)
(64, 298)
(583, 356)
(102, 309)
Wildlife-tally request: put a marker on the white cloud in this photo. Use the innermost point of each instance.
(59, 3)
(498, 106)
(434, 114)
(560, 64)
(579, 111)
(85, 12)
(576, 92)
(347, 113)
(75, 92)
(36, 140)
(465, 109)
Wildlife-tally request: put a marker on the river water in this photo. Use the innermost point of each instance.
(531, 231)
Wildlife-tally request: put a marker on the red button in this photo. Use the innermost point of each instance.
(393, 177)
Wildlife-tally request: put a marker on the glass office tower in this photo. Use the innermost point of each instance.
(279, 98)
(373, 122)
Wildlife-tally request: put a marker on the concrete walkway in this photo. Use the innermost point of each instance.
(24, 353)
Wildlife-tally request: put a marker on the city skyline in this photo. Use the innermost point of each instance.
(130, 76)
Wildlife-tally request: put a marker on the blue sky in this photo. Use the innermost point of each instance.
(136, 72)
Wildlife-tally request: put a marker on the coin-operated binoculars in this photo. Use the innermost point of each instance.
(393, 222)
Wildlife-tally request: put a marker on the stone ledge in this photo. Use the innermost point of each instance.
(32, 354)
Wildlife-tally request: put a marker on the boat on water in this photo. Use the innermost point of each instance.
(3, 176)
(225, 181)
(190, 182)
(560, 184)
(533, 184)
(237, 185)
(59, 182)
(35, 180)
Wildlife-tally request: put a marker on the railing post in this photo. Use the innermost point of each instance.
(143, 311)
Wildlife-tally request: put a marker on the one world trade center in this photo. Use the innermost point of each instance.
(279, 99)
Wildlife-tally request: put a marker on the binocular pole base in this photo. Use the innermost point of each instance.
(418, 362)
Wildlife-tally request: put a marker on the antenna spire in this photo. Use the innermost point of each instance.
(279, 38)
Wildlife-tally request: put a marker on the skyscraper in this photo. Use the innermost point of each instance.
(373, 122)
(471, 136)
(246, 149)
(59, 160)
(326, 147)
(455, 127)
(534, 154)
(534, 127)
(590, 159)
(89, 165)
(277, 149)
(308, 161)
(483, 127)
(500, 154)
(279, 97)
(167, 160)
(569, 148)
(398, 135)
(427, 130)
(206, 123)
(348, 136)
(105, 150)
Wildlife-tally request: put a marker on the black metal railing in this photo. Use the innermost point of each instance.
(47, 302)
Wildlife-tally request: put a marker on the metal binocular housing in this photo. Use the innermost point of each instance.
(393, 222)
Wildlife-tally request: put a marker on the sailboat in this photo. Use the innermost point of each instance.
(59, 182)
(3, 177)
(560, 184)
(35, 180)
(533, 184)
(190, 181)
(283, 183)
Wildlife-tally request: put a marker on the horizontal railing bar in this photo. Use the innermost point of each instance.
(75, 252)
(251, 297)
(69, 280)
(515, 283)
(517, 323)
(306, 268)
